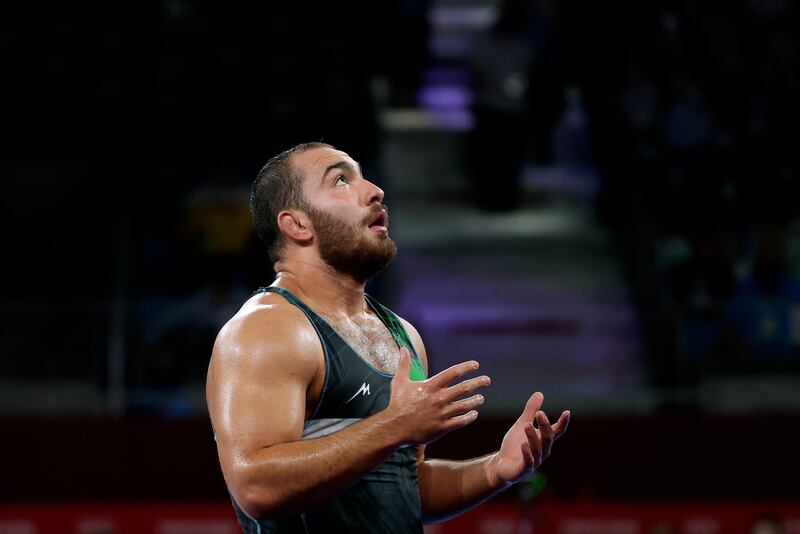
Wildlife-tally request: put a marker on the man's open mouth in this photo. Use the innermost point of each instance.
(381, 220)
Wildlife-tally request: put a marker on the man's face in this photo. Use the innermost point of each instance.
(350, 222)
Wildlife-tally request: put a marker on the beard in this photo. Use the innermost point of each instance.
(346, 249)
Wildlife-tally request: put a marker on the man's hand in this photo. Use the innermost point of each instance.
(425, 410)
(525, 447)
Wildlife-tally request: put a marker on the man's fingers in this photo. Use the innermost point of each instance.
(527, 454)
(532, 406)
(561, 425)
(403, 363)
(461, 420)
(546, 433)
(465, 405)
(535, 443)
(462, 389)
(453, 373)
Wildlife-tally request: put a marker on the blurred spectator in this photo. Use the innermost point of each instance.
(662, 527)
(178, 322)
(700, 285)
(181, 334)
(687, 125)
(217, 214)
(767, 524)
(500, 67)
(765, 314)
(571, 144)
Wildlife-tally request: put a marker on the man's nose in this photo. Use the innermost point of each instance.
(374, 193)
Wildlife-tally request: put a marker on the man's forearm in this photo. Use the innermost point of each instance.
(448, 488)
(289, 477)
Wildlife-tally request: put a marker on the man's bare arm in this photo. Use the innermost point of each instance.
(448, 488)
(261, 369)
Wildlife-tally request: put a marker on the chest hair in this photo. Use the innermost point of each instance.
(370, 338)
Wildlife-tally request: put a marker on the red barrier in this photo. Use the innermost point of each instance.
(619, 518)
(123, 518)
(492, 518)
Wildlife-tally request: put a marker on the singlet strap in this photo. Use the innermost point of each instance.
(314, 319)
(288, 296)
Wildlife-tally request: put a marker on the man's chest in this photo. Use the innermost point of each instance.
(370, 338)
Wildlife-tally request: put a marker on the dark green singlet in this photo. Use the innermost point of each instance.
(386, 499)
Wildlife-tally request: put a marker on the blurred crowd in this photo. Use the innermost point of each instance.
(711, 109)
(137, 133)
(691, 115)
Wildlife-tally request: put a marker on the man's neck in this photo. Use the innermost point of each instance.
(321, 287)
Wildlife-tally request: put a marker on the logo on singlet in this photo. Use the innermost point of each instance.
(364, 390)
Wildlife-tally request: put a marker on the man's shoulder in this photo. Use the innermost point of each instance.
(266, 322)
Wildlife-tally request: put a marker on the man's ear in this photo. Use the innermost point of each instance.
(295, 224)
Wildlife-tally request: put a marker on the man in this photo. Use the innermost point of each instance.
(318, 395)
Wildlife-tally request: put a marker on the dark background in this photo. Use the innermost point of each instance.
(597, 200)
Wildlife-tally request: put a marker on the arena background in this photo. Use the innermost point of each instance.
(596, 200)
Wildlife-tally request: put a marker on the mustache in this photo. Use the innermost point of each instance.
(373, 210)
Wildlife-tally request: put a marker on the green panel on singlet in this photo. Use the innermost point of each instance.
(417, 372)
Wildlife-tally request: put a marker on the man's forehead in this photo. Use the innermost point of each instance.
(314, 164)
(318, 159)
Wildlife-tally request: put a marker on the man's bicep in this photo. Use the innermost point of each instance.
(257, 396)
(260, 406)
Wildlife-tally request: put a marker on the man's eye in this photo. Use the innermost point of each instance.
(341, 179)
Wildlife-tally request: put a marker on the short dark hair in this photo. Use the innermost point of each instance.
(277, 187)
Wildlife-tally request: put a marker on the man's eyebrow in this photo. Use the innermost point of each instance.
(344, 165)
